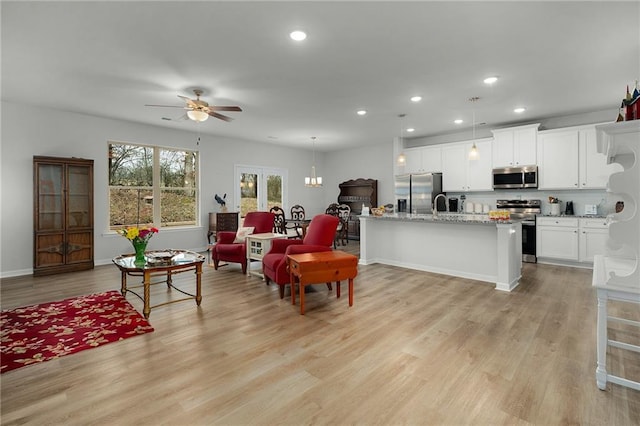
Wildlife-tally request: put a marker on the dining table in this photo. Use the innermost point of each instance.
(303, 224)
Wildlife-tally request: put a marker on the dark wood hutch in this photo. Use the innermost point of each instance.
(355, 193)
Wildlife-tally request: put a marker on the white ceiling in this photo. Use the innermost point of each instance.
(111, 58)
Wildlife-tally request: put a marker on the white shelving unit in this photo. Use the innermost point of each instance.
(616, 275)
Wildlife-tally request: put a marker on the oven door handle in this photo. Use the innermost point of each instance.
(529, 222)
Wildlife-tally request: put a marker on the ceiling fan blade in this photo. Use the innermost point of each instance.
(183, 117)
(188, 101)
(220, 116)
(165, 106)
(225, 108)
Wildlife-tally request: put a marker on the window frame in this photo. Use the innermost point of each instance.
(156, 188)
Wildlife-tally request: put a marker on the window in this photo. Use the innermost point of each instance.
(260, 188)
(153, 186)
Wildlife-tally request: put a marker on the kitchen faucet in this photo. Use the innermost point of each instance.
(435, 203)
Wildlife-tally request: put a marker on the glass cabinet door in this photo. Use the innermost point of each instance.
(50, 197)
(79, 193)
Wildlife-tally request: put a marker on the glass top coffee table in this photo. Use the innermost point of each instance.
(160, 262)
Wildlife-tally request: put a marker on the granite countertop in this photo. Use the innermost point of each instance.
(579, 216)
(442, 217)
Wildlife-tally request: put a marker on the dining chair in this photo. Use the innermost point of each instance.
(332, 210)
(297, 215)
(342, 212)
(279, 221)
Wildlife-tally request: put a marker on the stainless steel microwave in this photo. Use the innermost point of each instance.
(515, 177)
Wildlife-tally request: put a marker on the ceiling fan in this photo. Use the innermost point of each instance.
(199, 110)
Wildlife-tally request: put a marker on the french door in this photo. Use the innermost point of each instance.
(259, 188)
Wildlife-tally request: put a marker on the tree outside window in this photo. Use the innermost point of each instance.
(152, 186)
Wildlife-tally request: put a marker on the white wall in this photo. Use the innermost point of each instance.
(29, 131)
(375, 162)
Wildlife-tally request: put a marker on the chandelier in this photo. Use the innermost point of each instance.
(313, 181)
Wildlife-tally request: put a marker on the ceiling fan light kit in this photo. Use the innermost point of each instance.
(198, 116)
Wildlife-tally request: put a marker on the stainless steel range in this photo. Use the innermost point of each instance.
(525, 210)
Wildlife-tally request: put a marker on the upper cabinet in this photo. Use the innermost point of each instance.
(423, 159)
(558, 159)
(515, 146)
(568, 159)
(462, 174)
(593, 170)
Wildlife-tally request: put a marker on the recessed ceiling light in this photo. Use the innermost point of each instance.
(519, 110)
(298, 35)
(411, 129)
(458, 121)
(490, 80)
(361, 112)
(416, 98)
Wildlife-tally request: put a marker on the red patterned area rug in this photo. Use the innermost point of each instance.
(42, 332)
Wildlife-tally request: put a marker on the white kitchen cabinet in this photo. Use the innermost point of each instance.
(569, 238)
(479, 177)
(593, 169)
(592, 238)
(557, 238)
(454, 168)
(423, 159)
(568, 159)
(558, 160)
(460, 173)
(413, 160)
(515, 146)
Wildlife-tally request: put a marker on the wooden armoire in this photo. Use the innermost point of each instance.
(62, 215)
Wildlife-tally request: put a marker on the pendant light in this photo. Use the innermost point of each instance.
(402, 159)
(313, 181)
(473, 153)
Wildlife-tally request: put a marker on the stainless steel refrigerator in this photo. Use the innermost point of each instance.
(415, 192)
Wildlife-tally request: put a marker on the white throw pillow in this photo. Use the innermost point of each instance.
(242, 233)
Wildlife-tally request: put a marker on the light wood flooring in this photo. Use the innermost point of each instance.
(416, 348)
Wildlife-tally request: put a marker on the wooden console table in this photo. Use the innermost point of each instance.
(322, 267)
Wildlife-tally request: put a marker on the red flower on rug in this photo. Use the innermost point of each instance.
(50, 330)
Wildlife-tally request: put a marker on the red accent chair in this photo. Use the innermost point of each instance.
(228, 251)
(319, 237)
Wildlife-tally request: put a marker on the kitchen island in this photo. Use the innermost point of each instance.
(462, 245)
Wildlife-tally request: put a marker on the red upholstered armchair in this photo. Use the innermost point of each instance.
(228, 251)
(319, 237)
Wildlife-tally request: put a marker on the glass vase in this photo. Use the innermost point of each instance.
(140, 247)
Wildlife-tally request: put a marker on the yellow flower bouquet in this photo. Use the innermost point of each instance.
(139, 238)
